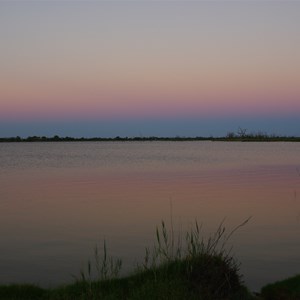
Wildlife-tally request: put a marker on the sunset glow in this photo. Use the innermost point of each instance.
(97, 61)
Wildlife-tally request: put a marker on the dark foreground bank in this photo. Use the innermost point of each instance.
(174, 269)
(160, 285)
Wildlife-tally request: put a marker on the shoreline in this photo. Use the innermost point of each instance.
(153, 282)
(247, 138)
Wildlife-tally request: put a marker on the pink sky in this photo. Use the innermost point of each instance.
(102, 60)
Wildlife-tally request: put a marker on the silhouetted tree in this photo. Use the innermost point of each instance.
(242, 132)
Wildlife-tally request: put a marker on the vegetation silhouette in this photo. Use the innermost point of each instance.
(177, 267)
(240, 136)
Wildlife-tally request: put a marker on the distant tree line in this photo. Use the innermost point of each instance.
(243, 135)
(240, 135)
(57, 138)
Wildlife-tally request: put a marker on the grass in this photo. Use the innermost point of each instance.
(21, 291)
(176, 267)
(286, 289)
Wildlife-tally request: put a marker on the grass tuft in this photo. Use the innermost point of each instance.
(176, 268)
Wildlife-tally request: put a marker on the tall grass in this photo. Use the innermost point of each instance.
(169, 247)
(202, 265)
(177, 267)
(101, 267)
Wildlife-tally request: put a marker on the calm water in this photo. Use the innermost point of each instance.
(59, 199)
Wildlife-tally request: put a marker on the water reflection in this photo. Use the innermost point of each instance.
(58, 200)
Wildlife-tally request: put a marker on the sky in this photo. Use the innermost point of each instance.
(143, 68)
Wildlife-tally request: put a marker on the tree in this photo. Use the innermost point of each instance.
(241, 132)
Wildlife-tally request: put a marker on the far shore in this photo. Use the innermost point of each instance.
(229, 138)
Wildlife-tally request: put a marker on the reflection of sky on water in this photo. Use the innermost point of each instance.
(54, 211)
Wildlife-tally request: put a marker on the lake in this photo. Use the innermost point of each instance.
(58, 200)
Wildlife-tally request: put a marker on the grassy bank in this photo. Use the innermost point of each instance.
(281, 290)
(202, 278)
(174, 268)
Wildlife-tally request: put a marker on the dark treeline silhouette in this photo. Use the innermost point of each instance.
(57, 138)
(240, 136)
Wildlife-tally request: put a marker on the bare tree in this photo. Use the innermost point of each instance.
(241, 132)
